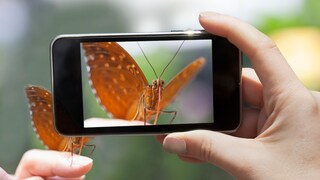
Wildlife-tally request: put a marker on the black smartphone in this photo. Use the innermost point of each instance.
(145, 83)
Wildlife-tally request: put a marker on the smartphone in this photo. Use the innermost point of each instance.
(145, 83)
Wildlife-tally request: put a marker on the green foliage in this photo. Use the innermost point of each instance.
(311, 13)
(307, 16)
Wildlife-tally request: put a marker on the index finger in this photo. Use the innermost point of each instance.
(47, 163)
(269, 64)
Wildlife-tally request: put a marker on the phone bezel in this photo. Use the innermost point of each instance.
(67, 87)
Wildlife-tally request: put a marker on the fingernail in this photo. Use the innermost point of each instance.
(76, 160)
(207, 14)
(175, 145)
(82, 160)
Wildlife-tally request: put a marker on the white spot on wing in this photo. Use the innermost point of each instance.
(122, 78)
(125, 91)
(35, 130)
(115, 80)
(90, 57)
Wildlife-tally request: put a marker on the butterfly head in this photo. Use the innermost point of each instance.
(157, 83)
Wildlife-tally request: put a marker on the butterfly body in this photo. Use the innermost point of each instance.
(150, 99)
(121, 87)
(152, 93)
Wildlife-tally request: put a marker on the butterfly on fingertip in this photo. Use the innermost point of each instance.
(40, 106)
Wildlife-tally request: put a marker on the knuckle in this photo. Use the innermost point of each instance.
(267, 43)
(207, 150)
(263, 46)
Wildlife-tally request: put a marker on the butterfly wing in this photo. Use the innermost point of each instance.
(116, 78)
(180, 80)
(40, 105)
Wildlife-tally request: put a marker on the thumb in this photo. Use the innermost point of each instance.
(230, 153)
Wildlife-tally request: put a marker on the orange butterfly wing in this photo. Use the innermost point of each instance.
(116, 78)
(179, 81)
(40, 105)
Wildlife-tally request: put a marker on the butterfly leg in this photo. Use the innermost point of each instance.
(76, 144)
(65, 147)
(144, 111)
(74, 147)
(93, 148)
(82, 145)
(144, 115)
(72, 150)
(174, 114)
(79, 146)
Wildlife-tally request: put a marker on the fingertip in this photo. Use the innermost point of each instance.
(175, 145)
(77, 161)
(47, 163)
(74, 166)
(204, 19)
(217, 24)
(208, 14)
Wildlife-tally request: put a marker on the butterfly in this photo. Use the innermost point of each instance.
(122, 88)
(40, 106)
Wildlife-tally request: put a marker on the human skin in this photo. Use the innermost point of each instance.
(279, 137)
(47, 164)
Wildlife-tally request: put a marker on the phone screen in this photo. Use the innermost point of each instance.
(145, 83)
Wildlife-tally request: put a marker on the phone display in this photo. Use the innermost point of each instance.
(145, 83)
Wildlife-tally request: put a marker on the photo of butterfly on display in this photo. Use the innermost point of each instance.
(40, 106)
(122, 88)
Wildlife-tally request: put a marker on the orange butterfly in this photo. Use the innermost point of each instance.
(40, 105)
(122, 88)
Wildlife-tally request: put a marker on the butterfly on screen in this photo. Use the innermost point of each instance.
(40, 106)
(122, 88)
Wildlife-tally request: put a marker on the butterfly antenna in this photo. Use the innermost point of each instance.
(171, 59)
(148, 60)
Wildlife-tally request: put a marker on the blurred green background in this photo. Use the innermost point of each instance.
(27, 27)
